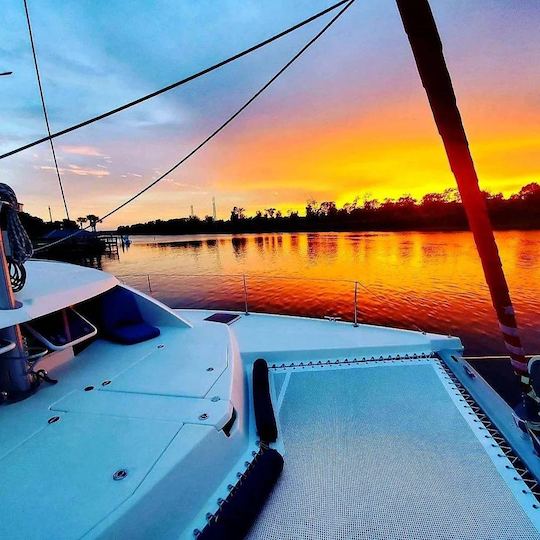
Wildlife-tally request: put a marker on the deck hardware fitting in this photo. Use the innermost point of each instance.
(230, 487)
(209, 516)
(203, 416)
(105, 383)
(160, 346)
(215, 398)
(88, 388)
(210, 369)
(53, 419)
(469, 372)
(120, 474)
(196, 532)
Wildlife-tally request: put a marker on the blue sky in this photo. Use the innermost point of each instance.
(349, 118)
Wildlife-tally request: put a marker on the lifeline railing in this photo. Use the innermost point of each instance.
(355, 284)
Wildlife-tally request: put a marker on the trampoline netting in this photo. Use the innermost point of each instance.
(387, 450)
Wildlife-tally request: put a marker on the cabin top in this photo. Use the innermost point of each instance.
(51, 286)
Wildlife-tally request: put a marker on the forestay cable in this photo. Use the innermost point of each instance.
(215, 132)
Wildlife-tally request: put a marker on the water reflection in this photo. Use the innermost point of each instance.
(428, 280)
(239, 245)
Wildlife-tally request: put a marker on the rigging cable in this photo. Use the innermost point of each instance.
(177, 83)
(216, 131)
(49, 138)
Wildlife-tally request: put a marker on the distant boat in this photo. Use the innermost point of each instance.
(73, 247)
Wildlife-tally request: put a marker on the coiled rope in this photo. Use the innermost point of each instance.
(20, 247)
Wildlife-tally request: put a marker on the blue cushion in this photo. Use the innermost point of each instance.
(129, 334)
(119, 308)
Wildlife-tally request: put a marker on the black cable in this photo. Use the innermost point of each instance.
(216, 131)
(49, 138)
(177, 83)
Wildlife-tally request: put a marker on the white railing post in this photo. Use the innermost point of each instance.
(356, 303)
(246, 311)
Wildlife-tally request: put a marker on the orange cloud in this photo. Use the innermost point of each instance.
(79, 150)
(79, 171)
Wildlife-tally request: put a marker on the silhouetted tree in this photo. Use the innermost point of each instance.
(93, 220)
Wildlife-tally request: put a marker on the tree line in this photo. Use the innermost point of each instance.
(434, 211)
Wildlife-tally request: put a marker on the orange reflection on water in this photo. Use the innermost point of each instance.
(431, 281)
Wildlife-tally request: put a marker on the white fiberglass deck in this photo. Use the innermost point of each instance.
(386, 450)
(282, 338)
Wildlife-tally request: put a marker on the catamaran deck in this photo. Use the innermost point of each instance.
(379, 450)
(378, 441)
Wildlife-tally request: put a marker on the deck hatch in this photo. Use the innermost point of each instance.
(224, 318)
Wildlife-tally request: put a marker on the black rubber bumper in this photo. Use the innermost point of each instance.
(264, 412)
(239, 511)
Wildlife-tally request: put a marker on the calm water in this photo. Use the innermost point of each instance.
(431, 281)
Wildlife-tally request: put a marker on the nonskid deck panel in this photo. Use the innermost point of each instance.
(378, 450)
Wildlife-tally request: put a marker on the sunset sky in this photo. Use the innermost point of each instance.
(349, 118)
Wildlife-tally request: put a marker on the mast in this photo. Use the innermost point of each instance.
(426, 45)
